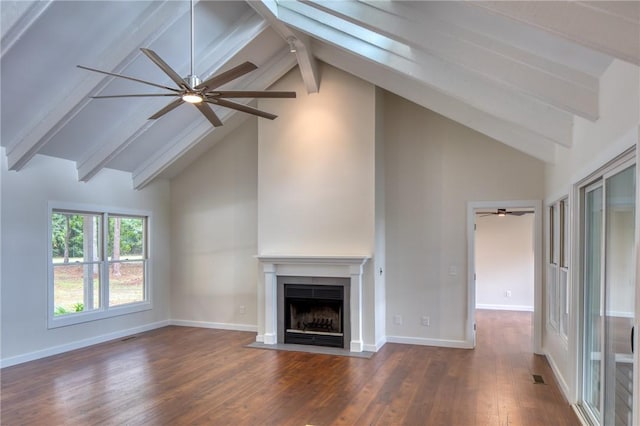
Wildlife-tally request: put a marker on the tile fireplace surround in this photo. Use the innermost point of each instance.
(312, 266)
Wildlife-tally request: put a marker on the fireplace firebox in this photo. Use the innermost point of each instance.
(313, 315)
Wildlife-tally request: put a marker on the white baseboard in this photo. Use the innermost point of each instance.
(55, 350)
(562, 384)
(523, 308)
(375, 348)
(218, 325)
(459, 344)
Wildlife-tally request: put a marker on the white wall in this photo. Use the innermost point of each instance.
(214, 235)
(595, 143)
(433, 167)
(504, 262)
(25, 219)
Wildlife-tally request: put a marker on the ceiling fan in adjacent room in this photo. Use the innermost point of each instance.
(505, 212)
(199, 93)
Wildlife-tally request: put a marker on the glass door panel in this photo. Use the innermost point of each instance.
(620, 296)
(592, 357)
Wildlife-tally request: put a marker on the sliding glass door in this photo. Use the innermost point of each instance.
(592, 350)
(609, 297)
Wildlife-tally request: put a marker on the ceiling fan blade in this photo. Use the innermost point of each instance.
(242, 107)
(134, 96)
(208, 112)
(173, 89)
(165, 67)
(166, 109)
(227, 76)
(520, 213)
(250, 94)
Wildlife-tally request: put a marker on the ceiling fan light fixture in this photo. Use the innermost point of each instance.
(292, 44)
(502, 212)
(192, 98)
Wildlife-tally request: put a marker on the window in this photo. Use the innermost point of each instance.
(98, 264)
(557, 269)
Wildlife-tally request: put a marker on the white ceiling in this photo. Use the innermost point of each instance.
(519, 72)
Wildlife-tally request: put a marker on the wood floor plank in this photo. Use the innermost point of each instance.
(182, 375)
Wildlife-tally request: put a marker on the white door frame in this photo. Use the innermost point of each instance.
(472, 208)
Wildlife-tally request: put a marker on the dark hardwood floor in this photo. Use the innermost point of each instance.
(179, 375)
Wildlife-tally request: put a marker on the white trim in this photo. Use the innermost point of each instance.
(375, 348)
(472, 208)
(313, 266)
(216, 325)
(584, 421)
(441, 343)
(562, 384)
(522, 308)
(104, 311)
(79, 344)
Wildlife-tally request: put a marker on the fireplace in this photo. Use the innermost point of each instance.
(340, 271)
(313, 315)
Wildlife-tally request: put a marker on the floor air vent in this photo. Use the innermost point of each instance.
(128, 338)
(538, 380)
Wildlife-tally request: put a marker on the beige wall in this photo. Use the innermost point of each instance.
(504, 262)
(316, 169)
(316, 177)
(214, 234)
(433, 167)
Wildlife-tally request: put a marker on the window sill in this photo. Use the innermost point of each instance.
(82, 317)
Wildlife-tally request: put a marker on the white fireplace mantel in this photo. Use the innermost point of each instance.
(313, 266)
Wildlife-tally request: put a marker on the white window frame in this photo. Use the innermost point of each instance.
(557, 267)
(104, 311)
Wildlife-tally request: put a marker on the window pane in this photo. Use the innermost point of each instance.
(564, 302)
(126, 282)
(564, 233)
(126, 237)
(552, 295)
(76, 288)
(75, 237)
(552, 236)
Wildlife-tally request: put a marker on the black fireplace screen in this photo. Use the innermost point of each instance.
(314, 315)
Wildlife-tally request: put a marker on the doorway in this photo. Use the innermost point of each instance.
(508, 297)
(608, 205)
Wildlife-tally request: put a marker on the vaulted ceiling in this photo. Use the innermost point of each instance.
(519, 72)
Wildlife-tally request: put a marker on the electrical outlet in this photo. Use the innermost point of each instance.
(243, 310)
(507, 293)
(397, 319)
(426, 321)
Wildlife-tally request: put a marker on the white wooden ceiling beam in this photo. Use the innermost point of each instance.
(491, 58)
(613, 29)
(268, 9)
(119, 53)
(513, 135)
(478, 92)
(17, 18)
(245, 30)
(260, 79)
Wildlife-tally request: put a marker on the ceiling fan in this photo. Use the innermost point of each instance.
(505, 212)
(197, 92)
